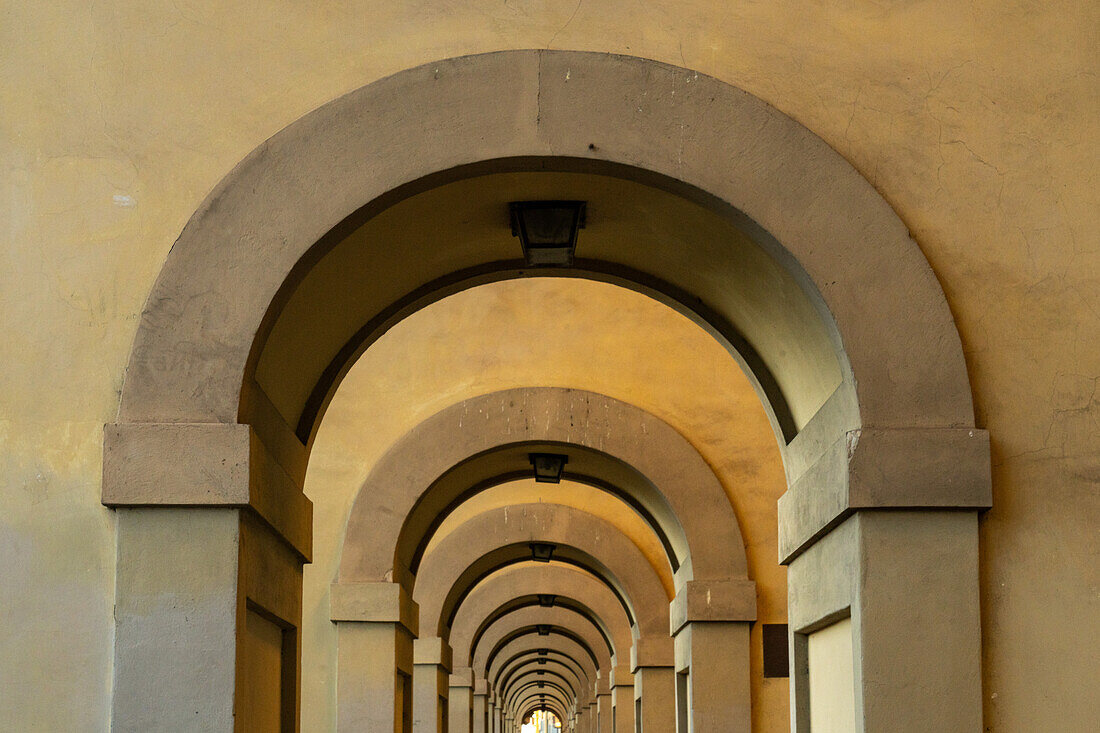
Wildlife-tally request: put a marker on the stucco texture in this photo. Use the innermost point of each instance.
(978, 122)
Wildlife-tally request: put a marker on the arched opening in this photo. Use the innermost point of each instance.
(712, 202)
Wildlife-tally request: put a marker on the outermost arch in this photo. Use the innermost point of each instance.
(266, 216)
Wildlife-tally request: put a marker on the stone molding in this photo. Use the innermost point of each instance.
(659, 651)
(214, 465)
(432, 650)
(914, 468)
(374, 603)
(702, 601)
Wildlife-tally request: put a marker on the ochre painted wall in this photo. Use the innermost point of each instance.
(977, 121)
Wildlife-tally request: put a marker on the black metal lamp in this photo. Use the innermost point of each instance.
(543, 629)
(542, 551)
(548, 466)
(547, 230)
(546, 600)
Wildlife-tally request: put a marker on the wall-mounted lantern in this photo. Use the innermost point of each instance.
(547, 230)
(549, 467)
(543, 629)
(546, 600)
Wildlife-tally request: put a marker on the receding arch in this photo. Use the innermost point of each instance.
(522, 624)
(666, 529)
(503, 536)
(566, 604)
(518, 698)
(558, 669)
(526, 646)
(526, 681)
(497, 592)
(431, 467)
(536, 658)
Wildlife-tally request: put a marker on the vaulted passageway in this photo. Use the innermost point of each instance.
(534, 423)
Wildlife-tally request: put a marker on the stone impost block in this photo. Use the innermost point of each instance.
(652, 652)
(204, 465)
(621, 676)
(375, 603)
(912, 468)
(432, 650)
(714, 600)
(460, 676)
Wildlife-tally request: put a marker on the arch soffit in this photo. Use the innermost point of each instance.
(495, 592)
(265, 217)
(491, 435)
(502, 536)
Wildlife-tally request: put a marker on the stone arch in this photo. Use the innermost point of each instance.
(511, 694)
(525, 625)
(576, 683)
(487, 440)
(558, 647)
(527, 622)
(498, 537)
(497, 589)
(197, 429)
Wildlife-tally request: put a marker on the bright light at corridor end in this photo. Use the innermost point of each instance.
(541, 721)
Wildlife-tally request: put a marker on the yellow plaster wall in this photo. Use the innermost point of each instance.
(977, 121)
